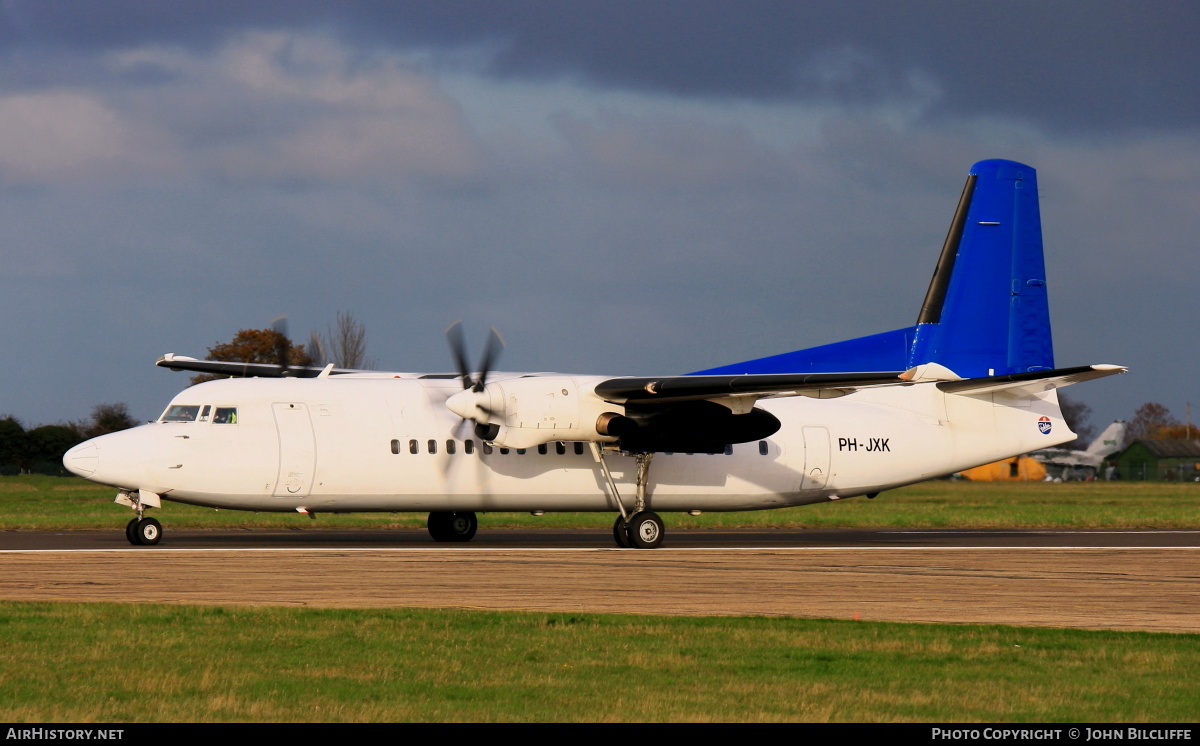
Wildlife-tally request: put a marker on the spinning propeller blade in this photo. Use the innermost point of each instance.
(472, 407)
(282, 345)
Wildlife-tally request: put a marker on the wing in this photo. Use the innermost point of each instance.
(669, 389)
(172, 361)
(750, 387)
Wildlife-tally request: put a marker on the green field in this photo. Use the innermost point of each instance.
(125, 663)
(65, 503)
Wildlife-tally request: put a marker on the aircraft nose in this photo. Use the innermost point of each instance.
(83, 459)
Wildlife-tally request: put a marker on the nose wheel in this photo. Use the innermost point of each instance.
(144, 532)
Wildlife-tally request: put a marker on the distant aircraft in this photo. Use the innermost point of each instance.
(1072, 464)
(973, 381)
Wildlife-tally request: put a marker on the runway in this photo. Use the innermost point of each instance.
(1125, 580)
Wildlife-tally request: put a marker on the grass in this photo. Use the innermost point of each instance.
(126, 663)
(66, 503)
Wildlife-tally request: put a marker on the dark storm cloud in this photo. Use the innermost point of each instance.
(1102, 65)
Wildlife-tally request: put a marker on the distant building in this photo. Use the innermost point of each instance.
(1159, 460)
(1015, 469)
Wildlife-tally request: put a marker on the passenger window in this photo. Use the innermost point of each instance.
(729, 449)
(578, 449)
(181, 413)
(450, 447)
(469, 447)
(542, 449)
(762, 448)
(487, 448)
(521, 451)
(413, 447)
(433, 446)
(503, 451)
(560, 448)
(395, 446)
(224, 416)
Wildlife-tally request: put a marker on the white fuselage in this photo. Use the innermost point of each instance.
(374, 443)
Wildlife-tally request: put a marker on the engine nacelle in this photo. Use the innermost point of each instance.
(530, 411)
(526, 412)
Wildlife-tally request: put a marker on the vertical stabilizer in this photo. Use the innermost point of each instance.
(986, 311)
(1109, 441)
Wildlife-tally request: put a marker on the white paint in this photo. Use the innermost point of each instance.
(264, 459)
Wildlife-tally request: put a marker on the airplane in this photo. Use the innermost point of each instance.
(971, 382)
(1070, 463)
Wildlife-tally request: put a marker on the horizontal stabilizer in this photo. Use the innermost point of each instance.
(1030, 383)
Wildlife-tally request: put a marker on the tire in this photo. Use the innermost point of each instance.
(621, 533)
(148, 532)
(646, 530)
(452, 527)
(130, 528)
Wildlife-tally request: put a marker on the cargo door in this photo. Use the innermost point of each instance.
(816, 458)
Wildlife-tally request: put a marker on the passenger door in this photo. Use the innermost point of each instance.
(297, 450)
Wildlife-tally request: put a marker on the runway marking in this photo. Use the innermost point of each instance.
(640, 552)
(1044, 532)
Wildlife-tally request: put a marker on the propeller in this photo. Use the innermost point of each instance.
(458, 348)
(474, 408)
(282, 345)
(316, 350)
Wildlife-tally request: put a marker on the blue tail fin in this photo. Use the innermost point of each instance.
(986, 310)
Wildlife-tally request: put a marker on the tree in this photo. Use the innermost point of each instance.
(1077, 414)
(105, 419)
(255, 346)
(1181, 432)
(48, 444)
(344, 343)
(14, 446)
(1151, 421)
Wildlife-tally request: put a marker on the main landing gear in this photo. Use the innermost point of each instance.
(452, 526)
(642, 529)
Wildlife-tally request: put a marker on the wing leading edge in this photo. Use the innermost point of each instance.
(670, 389)
(171, 361)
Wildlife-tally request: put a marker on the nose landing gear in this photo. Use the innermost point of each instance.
(141, 531)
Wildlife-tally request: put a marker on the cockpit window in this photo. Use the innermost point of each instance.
(181, 413)
(225, 416)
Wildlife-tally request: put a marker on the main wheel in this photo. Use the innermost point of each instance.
(621, 533)
(645, 530)
(452, 526)
(148, 532)
(129, 531)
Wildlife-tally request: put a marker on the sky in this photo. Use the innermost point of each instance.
(627, 187)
